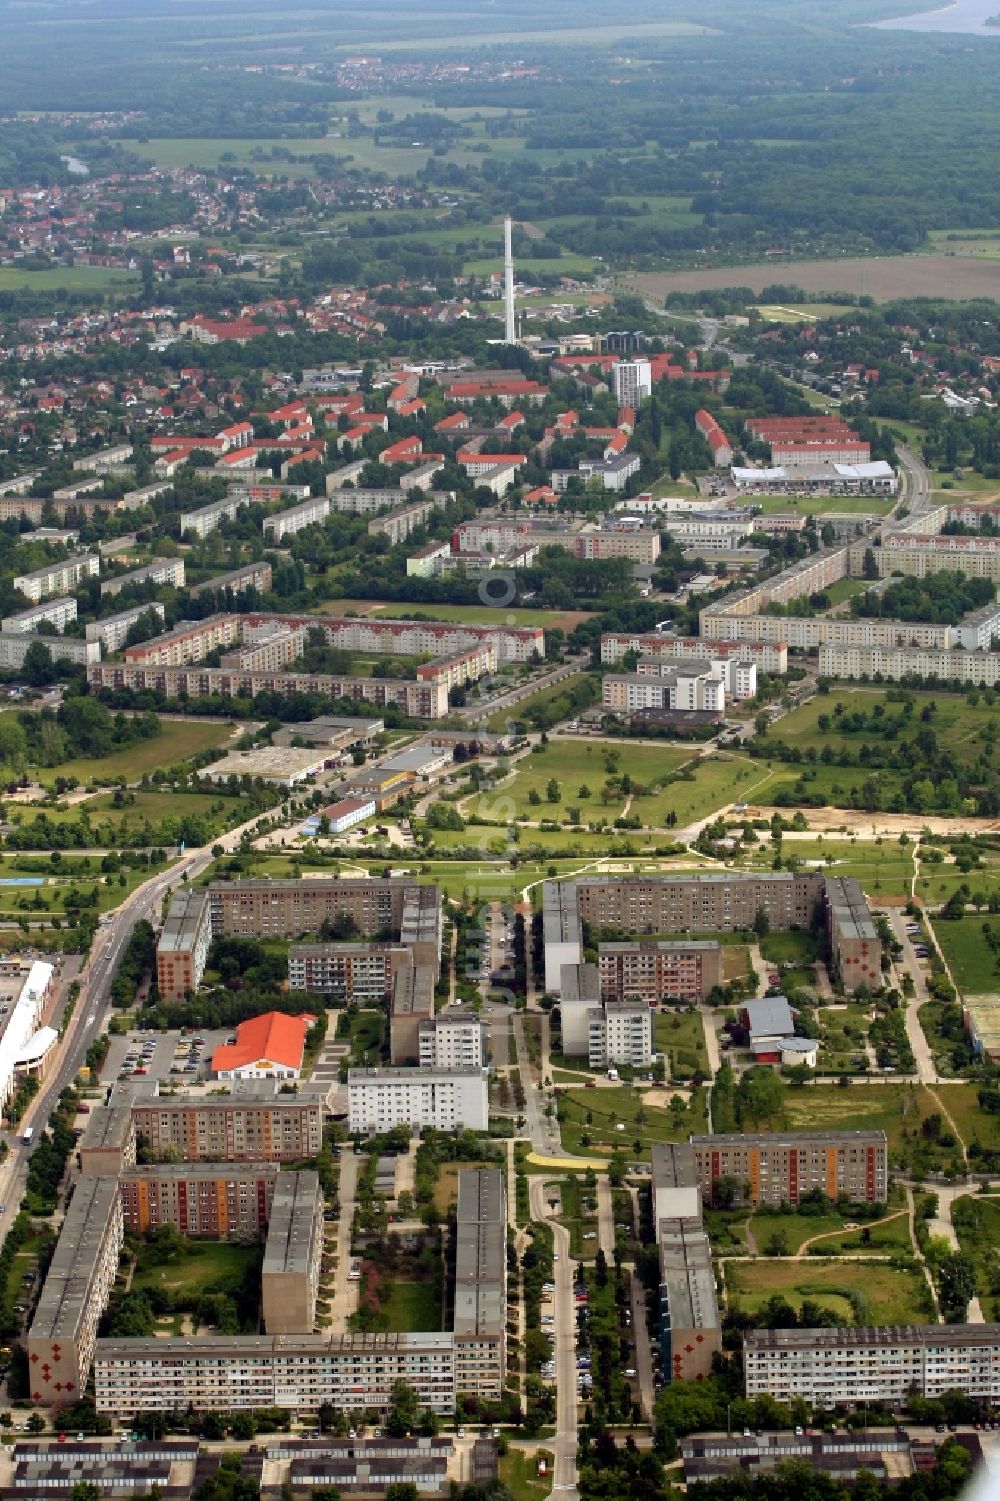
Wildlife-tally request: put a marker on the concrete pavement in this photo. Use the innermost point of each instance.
(919, 1046)
(345, 1293)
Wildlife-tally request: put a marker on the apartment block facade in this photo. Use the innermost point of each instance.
(361, 972)
(210, 1201)
(253, 1123)
(159, 571)
(659, 970)
(454, 1038)
(183, 944)
(380, 1098)
(112, 631)
(58, 578)
(55, 612)
(881, 1364)
(766, 655)
(775, 1168)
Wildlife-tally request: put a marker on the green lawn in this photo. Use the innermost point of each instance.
(519, 1473)
(609, 1108)
(843, 1029)
(413, 1306)
(821, 505)
(883, 866)
(790, 948)
(179, 739)
(681, 1036)
(573, 764)
(793, 1229)
(67, 278)
(955, 723)
(976, 1218)
(546, 698)
(364, 1031)
(578, 1212)
(975, 966)
(874, 1294)
(203, 1263)
(899, 1110)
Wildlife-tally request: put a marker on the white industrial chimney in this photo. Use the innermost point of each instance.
(508, 283)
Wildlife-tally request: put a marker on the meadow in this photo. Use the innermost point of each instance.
(67, 279)
(974, 965)
(884, 277)
(596, 1120)
(880, 1294)
(177, 742)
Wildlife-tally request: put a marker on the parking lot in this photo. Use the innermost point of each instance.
(162, 1055)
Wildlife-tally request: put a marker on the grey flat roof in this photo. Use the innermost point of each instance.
(292, 1229)
(66, 1295)
(882, 1336)
(580, 983)
(789, 1138)
(186, 910)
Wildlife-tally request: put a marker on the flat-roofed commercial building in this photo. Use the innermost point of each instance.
(331, 733)
(58, 578)
(63, 1333)
(183, 944)
(778, 1167)
(292, 1255)
(380, 1098)
(853, 938)
(881, 1364)
(480, 1323)
(654, 970)
(206, 1199)
(361, 972)
(364, 1466)
(253, 1122)
(412, 1004)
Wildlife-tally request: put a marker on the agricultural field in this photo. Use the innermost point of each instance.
(973, 963)
(605, 1120)
(178, 741)
(884, 278)
(881, 1294)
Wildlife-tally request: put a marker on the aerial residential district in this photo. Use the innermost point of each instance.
(499, 874)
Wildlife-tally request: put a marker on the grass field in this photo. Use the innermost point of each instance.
(610, 1108)
(179, 739)
(413, 1305)
(67, 278)
(803, 312)
(878, 1294)
(519, 1473)
(196, 1268)
(478, 614)
(715, 781)
(553, 699)
(884, 868)
(151, 807)
(793, 1229)
(975, 966)
(976, 1218)
(681, 1036)
(884, 277)
(897, 1109)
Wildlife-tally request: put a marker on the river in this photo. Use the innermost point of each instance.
(967, 17)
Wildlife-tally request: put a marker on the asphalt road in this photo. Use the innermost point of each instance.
(564, 1477)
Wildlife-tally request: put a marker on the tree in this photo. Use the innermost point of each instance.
(552, 793)
(404, 1410)
(38, 670)
(617, 1170)
(956, 1285)
(761, 923)
(869, 566)
(36, 1423)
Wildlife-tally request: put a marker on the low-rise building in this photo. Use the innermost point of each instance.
(281, 767)
(270, 1046)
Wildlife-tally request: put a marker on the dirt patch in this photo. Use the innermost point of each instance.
(870, 825)
(881, 277)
